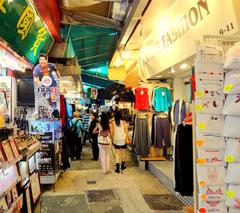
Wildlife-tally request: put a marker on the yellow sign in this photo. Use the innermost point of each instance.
(2, 122)
(1, 6)
(230, 194)
(200, 143)
(204, 197)
(229, 159)
(202, 183)
(201, 161)
(25, 22)
(199, 93)
(41, 36)
(199, 108)
(202, 126)
(228, 87)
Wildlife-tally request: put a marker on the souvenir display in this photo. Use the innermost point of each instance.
(1, 157)
(23, 169)
(14, 148)
(35, 187)
(14, 194)
(9, 198)
(21, 144)
(32, 164)
(8, 151)
(28, 200)
(3, 205)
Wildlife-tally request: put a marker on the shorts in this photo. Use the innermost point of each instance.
(120, 146)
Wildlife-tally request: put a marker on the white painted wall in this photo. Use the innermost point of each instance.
(179, 89)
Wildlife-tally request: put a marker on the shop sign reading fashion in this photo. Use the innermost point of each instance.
(22, 28)
(185, 23)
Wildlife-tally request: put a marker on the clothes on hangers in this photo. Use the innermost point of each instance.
(141, 135)
(162, 99)
(179, 112)
(183, 160)
(141, 98)
(162, 132)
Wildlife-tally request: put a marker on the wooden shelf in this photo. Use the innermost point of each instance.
(10, 187)
(153, 158)
(5, 165)
(32, 150)
(16, 203)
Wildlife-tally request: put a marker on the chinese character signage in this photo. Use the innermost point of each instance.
(22, 28)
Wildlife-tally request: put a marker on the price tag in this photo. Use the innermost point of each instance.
(230, 194)
(199, 108)
(229, 159)
(202, 210)
(202, 126)
(204, 197)
(200, 143)
(1, 121)
(142, 93)
(163, 93)
(228, 87)
(201, 161)
(202, 183)
(199, 93)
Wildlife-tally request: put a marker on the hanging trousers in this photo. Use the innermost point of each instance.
(162, 132)
(141, 139)
(183, 160)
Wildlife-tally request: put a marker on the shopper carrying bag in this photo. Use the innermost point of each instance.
(104, 141)
(119, 133)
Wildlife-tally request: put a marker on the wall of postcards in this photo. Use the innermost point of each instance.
(19, 181)
(217, 107)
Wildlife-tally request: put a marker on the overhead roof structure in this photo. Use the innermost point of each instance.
(94, 28)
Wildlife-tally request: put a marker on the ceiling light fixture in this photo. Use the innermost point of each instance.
(159, 76)
(173, 70)
(183, 66)
(118, 62)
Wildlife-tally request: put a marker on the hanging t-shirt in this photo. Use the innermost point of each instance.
(162, 99)
(141, 102)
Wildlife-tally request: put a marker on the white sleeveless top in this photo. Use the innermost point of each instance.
(119, 134)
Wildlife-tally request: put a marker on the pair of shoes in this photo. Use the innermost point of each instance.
(123, 166)
(117, 170)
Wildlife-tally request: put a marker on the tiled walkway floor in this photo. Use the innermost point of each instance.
(85, 180)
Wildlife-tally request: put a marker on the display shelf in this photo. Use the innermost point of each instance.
(5, 165)
(153, 158)
(10, 187)
(32, 150)
(25, 182)
(16, 203)
(49, 179)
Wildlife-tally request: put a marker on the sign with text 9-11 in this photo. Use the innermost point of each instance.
(22, 28)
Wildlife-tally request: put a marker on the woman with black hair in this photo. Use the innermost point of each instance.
(104, 141)
(119, 131)
(94, 135)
